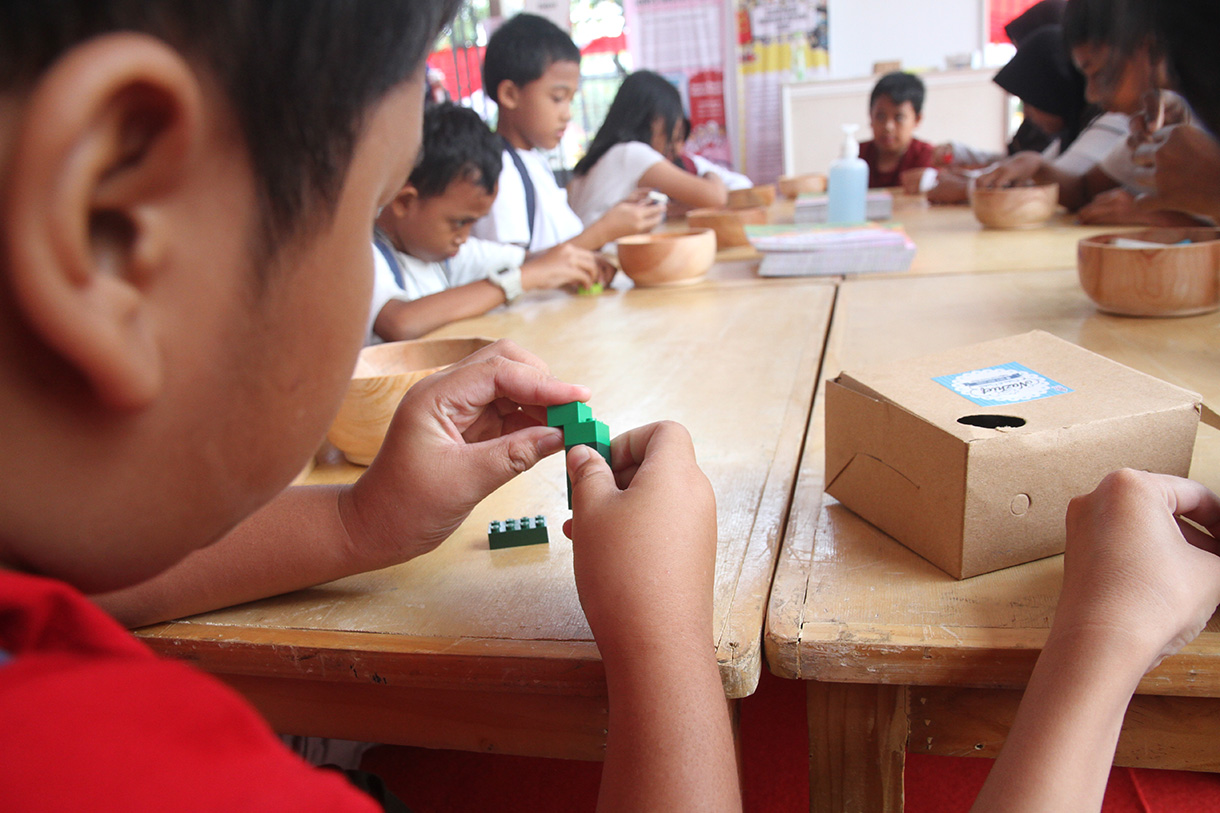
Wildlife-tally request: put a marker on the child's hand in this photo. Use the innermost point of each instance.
(457, 436)
(632, 217)
(918, 180)
(643, 539)
(565, 264)
(1187, 173)
(1113, 207)
(951, 187)
(1014, 171)
(1134, 574)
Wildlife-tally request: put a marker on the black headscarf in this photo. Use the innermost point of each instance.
(1041, 74)
(1046, 12)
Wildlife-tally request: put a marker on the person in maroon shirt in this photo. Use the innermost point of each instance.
(895, 110)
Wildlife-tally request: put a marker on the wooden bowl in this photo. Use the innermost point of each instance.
(1015, 207)
(1152, 272)
(793, 186)
(383, 374)
(729, 224)
(667, 258)
(754, 196)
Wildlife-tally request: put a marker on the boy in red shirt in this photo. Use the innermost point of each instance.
(187, 191)
(895, 110)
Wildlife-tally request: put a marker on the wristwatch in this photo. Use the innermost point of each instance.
(508, 279)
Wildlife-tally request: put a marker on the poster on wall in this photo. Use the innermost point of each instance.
(683, 41)
(778, 41)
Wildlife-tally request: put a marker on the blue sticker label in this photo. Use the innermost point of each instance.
(1002, 385)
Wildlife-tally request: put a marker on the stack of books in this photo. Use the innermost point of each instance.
(812, 250)
(879, 205)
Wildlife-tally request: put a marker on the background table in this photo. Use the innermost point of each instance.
(489, 650)
(899, 655)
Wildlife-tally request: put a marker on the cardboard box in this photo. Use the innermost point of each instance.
(970, 457)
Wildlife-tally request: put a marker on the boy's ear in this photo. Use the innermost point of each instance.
(508, 93)
(403, 200)
(98, 156)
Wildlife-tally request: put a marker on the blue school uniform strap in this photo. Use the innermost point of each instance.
(526, 181)
(388, 253)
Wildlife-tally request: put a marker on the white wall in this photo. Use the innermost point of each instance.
(919, 33)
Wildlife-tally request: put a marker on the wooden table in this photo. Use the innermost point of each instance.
(489, 650)
(900, 656)
(949, 240)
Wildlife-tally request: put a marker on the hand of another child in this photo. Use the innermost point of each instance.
(1135, 574)
(564, 264)
(644, 539)
(1113, 207)
(913, 180)
(457, 436)
(1187, 173)
(1162, 108)
(1014, 171)
(633, 217)
(951, 187)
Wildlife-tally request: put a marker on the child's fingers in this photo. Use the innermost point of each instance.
(592, 480)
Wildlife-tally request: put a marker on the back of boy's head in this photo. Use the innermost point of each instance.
(456, 146)
(1185, 32)
(899, 87)
(522, 49)
(644, 97)
(300, 76)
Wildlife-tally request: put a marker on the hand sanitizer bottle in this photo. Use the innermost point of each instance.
(847, 182)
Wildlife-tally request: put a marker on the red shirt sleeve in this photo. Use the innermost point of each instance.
(94, 721)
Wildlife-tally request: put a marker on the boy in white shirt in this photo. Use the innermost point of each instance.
(429, 272)
(531, 69)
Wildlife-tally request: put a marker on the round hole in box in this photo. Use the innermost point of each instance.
(992, 421)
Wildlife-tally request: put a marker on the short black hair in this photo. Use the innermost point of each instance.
(300, 76)
(899, 87)
(457, 144)
(643, 98)
(522, 49)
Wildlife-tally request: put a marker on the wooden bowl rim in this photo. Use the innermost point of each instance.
(371, 366)
(1104, 242)
(662, 236)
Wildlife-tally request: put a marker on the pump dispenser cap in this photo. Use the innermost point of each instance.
(851, 147)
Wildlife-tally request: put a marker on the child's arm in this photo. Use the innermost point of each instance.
(695, 191)
(1138, 585)
(1117, 207)
(1075, 190)
(644, 553)
(401, 319)
(1187, 173)
(457, 436)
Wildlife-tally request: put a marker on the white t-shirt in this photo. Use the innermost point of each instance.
(476, 259)
(1092, 145)
(615, 176)
(507, 222)
(1121, 168)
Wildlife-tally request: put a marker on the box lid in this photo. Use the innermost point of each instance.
(1040, 381)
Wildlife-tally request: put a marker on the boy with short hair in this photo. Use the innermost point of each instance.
(432, 273)
(531, 69)
(185, 271)
(895, 110)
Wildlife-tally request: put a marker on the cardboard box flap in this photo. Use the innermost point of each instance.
(1020, 384)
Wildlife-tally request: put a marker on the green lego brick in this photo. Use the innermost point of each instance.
(593, 290)
(564, 414)
(514, 533)
(587, 433)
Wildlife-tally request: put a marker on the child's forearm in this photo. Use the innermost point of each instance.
(297, 540)
(400, 320)
(1058, 753)
(595, 236)
(670, 740)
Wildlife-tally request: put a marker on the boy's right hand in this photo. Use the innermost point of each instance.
(1135, 575)
(1187, 173)
(564, 264)
(644, 540)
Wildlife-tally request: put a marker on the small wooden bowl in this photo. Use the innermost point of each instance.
(729, 224)
(793, 186)
(1175, 278)
(1015, 207)
(667, 258)
(754, 196)
(383, 374)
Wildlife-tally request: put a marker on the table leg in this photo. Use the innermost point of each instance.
(857, 747)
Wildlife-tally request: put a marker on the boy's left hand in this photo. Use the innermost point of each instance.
(457, 436)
